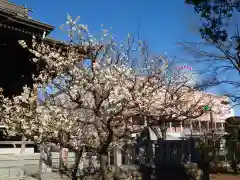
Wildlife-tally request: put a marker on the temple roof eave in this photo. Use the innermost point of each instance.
(35, 25)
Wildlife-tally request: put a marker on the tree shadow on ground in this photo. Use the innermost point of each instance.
(150, 173)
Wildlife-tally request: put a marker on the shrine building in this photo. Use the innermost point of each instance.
(16, 65)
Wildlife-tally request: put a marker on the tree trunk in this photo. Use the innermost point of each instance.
(156, 132)
(78, 156)
(205, 166)
(205, 170)
(104, 152)
(103, 165)
(40, 160)
(234, 163)
(61, 158)
(62, 163)
(164, 133)
(104, 168)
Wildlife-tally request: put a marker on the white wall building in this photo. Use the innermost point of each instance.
(221, 110)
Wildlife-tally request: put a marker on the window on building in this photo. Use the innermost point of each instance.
(218, 143)
(204, 125)
(195, 125)
(211, 125)
(186, 124)
(128, 154)
(138, 120)
(219, 126)
(176, 125)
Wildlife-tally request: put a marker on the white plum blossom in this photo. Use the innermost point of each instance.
(94, 106)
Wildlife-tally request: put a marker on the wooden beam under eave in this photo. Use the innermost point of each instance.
(15, 29)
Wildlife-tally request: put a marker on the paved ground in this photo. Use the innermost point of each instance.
(225, 177)
(53, 176)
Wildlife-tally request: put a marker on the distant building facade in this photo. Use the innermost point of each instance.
(212, 121)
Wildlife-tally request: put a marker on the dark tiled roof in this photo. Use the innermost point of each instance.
(235, 118)
(16, 15)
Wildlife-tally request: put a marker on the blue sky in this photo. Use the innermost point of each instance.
(162, 23)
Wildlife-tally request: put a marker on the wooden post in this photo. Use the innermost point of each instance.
(212, 122)
(170, 126)
(222, 127)
(82, 160)
(117, 157)
(41, 158)
(199, 125)
(23, 145)
(109, 158)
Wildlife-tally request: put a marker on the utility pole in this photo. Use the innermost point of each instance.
(214, 155)
(212, 122)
